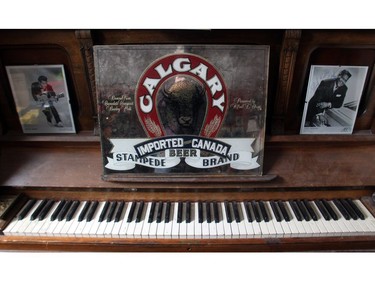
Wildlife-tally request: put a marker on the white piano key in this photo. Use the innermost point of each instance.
(248, 225)
(72, 227)
(183, 227)
(77, 227)
(41, 228)
(190, 231)
(295, 226)
(241, 225)
(289, 227)
(324, 228)
(139, 225)
(146, 225)
(176, 225)
(15, 223)
(285, 226)
(12, 224)
(154, 225)
(255, 225)
(122, 219)
(125, 224)
(278, 230)
(227, 226)
(315, 230)
(369, 218)
(132, 223)
(95, 224)
(68, 224)
(338, 227)
(27, 220)
(29, 229)
(355, 226)
(205, 225)
(111, 224)
(233, 225)
(341, 222)
(59, 227)
(168, 225)
(197, 224)
(88, 226)
(161, 224)
(220, 225)
(100, 232)
(212, 225)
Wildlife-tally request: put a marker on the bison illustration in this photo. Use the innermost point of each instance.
(182, 105)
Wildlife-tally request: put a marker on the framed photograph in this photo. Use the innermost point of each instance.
(42, 100)
(182, 111)
(332, 99)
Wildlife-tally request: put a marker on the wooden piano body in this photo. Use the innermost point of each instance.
(295, 166)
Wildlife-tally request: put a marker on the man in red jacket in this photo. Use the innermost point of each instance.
(44, 93)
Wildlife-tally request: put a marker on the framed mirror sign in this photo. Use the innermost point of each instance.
(188, 112)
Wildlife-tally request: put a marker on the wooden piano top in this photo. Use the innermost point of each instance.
(293, 161)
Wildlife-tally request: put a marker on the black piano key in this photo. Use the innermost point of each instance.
(341, 208)
(356, 209)
(228, 212)
(83, 213)
(90, 214)
(120, 209)
(296, 210)
(250, 217)
(72, 210)
(215, 206)
(131, 212)
(331, 212)
(111, 211)
(256, 212)
(64, 210)
(323, 210)
(303, 210)
(45, 210)
(26, 209)
(152, 212)
(37, 211)
(200, 212)
(58, 210)
(236, 212)
(179, 212)
(159, 212)
(138, 217)
(275, 211)
(283, 210)
(349, 209)
(208, 212)
(103, 214)
(310, 210)
(188, 212)
(264, 212)
(168, 212)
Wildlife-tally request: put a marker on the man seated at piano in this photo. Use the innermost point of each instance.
(329, 94)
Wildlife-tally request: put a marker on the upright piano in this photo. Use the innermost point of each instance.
(316, 192)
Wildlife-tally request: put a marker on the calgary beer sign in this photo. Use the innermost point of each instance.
(182, 109)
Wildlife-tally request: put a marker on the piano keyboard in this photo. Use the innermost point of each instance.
(192, 220)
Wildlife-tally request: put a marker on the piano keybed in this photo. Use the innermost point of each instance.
(192, 219)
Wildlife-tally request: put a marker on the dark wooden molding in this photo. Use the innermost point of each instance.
(86, 44)
(288, 56)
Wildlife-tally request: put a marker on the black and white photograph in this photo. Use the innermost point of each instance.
(41, 97)
(332, 99)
